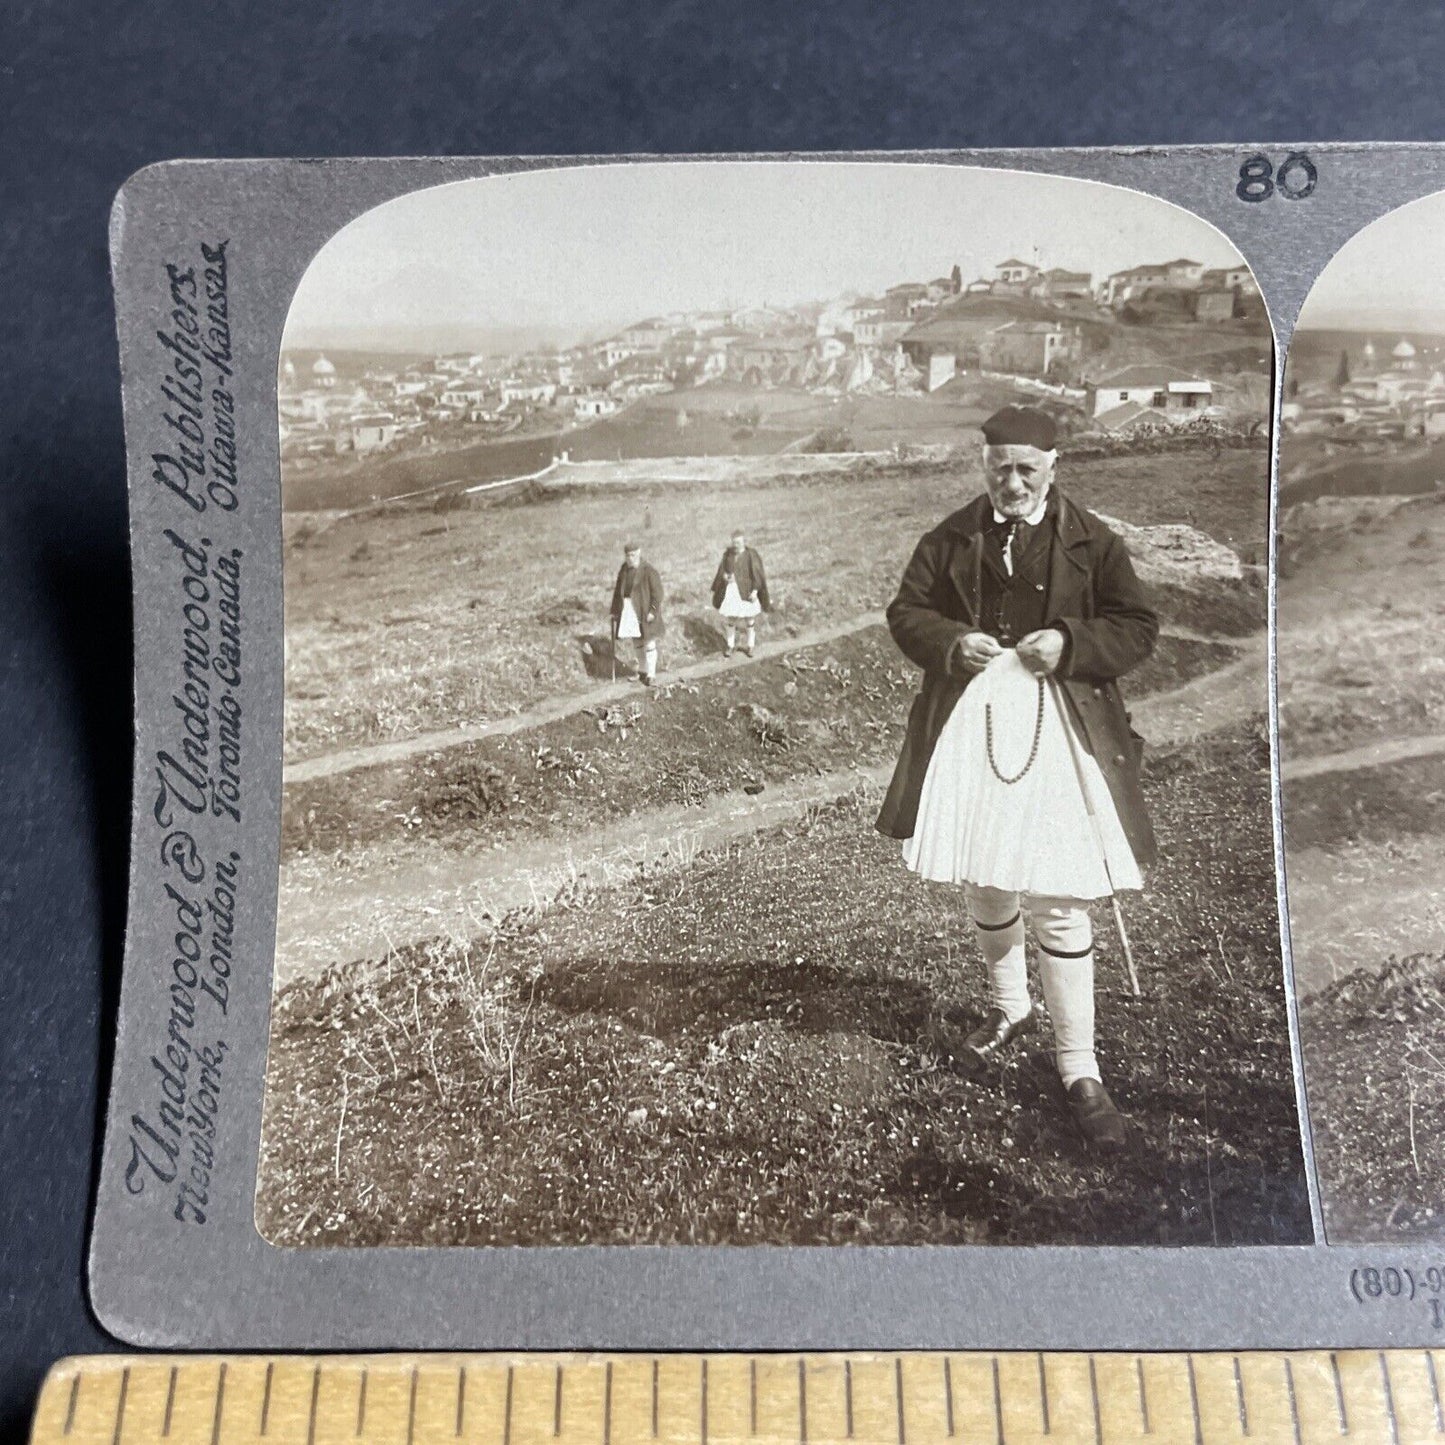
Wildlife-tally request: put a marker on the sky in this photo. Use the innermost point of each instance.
(572, 254)
(1390, 276)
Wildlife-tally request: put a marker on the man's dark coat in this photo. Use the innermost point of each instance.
(747, 568)
(1092, 594)
(646, 600)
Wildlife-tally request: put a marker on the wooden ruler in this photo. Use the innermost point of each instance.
(871, 1399)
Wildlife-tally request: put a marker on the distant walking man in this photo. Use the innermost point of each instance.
(637, 610)
(1023, 610)
(740, 593)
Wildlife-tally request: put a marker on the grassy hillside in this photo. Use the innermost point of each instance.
(413, 620)
(1312, 469)
(1377, 1092)
(759, 1047)
(751, 1036)
(1366, 853)
(1361, 598)
(1360, 663)
(834, 706)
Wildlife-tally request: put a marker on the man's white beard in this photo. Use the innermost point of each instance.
(1033, 517)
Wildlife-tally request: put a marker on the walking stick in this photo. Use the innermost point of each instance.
(1098, 840)
(613, 649)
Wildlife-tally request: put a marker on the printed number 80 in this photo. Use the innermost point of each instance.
(1258, 179)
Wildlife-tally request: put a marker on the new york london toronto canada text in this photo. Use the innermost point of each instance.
(196, 772)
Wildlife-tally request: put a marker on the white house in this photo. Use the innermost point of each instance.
(939, 368)
(1165, 390)
(1014, 272)
(612, 353)
(1229, 277)
(1183, 272)
(537, 393)
(649, 335)
(463, 396)
(594, 405)
(368, 433)
(881, 330)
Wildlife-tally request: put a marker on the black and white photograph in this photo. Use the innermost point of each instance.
(1362, 721)
(777, 742)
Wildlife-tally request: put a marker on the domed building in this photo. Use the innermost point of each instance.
(1403, 355)
(323, 373)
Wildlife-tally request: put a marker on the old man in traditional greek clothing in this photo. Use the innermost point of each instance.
(1019, 776)
(740, 592)
(637, 610)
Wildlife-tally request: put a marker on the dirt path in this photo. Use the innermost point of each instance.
(554, 709)
(1369, 755)
(1356, 905)
(1217, 700)
(380, 898)
(379, 901)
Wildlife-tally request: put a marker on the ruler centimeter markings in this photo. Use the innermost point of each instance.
(1293, 1401)
(120, 1405)
(1389, 1399)
(997, 1402)
(220, 1400)
(909, 1398)
(1194, 1401)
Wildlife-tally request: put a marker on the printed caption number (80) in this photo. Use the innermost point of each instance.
(1259, 180)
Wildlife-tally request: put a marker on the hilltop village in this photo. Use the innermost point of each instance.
(1371, 393)
(1049, 331)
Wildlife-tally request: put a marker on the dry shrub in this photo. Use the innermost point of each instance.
(469, 791)
(456, 501)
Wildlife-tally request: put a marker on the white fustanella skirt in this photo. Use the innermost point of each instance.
(735, 605)
(1031, 834)
(627, 624)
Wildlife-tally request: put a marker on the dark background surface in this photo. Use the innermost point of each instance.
(90, 92)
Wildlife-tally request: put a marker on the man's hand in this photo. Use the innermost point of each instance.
(975, 650)
(1041, 652)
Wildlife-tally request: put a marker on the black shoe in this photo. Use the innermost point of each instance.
(728, 651)
(991, 1038)
(1103, 1127)
(643, 678)
(748, 651)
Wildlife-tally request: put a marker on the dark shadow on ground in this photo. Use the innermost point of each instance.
(598, 653)
(810, 997)
(703, 635)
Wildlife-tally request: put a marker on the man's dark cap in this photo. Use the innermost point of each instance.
(1020, 426)
(632, 546)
